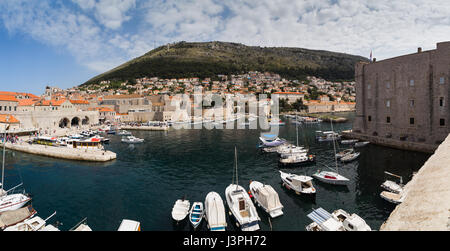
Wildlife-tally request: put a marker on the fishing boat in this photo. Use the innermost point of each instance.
(300, 184)
(344, 153)
(267, 198)
(361, 144)
(8, 199)
(215, 212)
(297, 159)
(34, 224)
(129, 226)
(392, 186)
(240, 205)
(180, 210)
(349, 141)
(350, 157)
(339, 220)
(196, 214)
(13, 217)
(132, 140)
(329, 177)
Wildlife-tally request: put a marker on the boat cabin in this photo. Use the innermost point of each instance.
(92, 143)
(48, 141)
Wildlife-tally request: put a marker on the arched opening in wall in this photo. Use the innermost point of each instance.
(85, 121)
(75, 121)
(63, 123)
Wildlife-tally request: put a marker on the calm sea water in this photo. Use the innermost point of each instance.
(146, 180)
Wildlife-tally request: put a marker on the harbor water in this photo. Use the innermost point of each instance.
(146, 179)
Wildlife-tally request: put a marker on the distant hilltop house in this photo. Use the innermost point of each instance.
(404, 101)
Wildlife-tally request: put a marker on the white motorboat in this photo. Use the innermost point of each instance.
(129, 226)
(300, 184)
(333, 178)
(297, 159)
(361, 144)
(291, 149)
(240, 204)
(196, 214)
(215, 212)
(392, 186)
(34, 224)
(327, 136)
(8, 200)
(267, 198)
(180, 210)
(132, 140)
(339, 220)
(350, 157)
(82, 226)
(124, 133)
(396, 198)
(271, 141)
(349, 141)
(344, 153)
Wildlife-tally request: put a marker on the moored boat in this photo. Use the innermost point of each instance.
(349, 141)
(132, 140)
(196, 214)
(129, 225)
(180, 210)
(361, 144)
(267, 198)
(339, 220)
(300, 184)
(215, 212)
(350, 157)
(344, 153)
(13, 217)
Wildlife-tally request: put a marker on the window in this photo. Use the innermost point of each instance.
(368, 87)
(411, 121)
(411, 82)
(411, 103)
(388, 103)
(388, 85)
(388, 120)
(369, 118)
(441, 80)
(442, 122)
(441, 101)
(0, 108)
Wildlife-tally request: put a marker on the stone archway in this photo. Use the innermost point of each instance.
(75, 121)
(85, 121)
(63, 123)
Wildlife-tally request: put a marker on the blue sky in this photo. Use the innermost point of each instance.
(64, 43)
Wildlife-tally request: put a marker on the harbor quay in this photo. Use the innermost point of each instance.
(145, 128)
(426, 206)
(63, 152)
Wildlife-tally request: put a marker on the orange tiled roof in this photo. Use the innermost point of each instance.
(11, 119)
(79, 101)
(122, 96)
(298, 93)
(8, 98)
(51, 102)
(27, 102)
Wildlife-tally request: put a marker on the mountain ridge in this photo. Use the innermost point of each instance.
(208, 59)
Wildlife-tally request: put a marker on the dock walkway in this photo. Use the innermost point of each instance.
(63, 152)
(427, 203)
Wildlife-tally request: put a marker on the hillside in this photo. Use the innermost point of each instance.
(186, 59)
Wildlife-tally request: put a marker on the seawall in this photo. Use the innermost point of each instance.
(427, 203)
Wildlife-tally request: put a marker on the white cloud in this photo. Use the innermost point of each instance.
(94, 34)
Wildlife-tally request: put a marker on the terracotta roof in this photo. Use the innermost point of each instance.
(122, 96)
(11, 119)
(298, 93)
(51, 102)
(8, 98)
(79, 101)
(27, 102)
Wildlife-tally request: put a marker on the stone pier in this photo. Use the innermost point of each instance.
(63, 152)
(427, 203)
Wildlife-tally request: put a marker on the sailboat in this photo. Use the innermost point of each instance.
(331, 177)
(10, 201)
(240, 205)
(34, 224)
(215, 212)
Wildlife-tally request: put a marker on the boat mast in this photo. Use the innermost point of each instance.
(334, 146)
(296, 128)
(3, 162)
(235, 161)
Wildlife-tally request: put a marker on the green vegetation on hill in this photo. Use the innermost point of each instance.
(185, 59)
